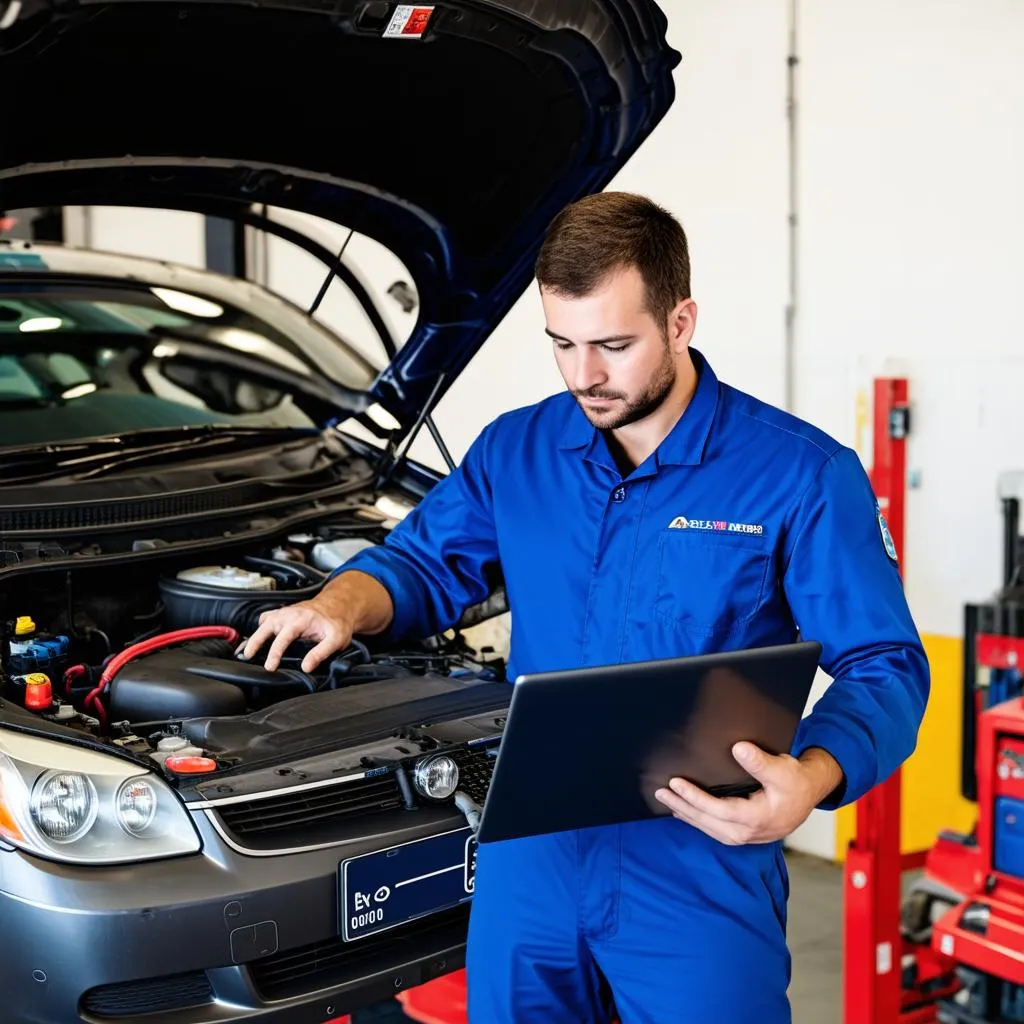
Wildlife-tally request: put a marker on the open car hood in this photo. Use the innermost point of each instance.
(450, 132)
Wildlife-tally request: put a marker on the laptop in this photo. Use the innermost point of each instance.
(591, 746)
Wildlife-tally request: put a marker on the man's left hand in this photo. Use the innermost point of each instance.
(791, 789)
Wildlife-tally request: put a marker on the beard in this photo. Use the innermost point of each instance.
(634, 408)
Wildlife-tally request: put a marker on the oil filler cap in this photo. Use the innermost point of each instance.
(191, 765)
(24, 625)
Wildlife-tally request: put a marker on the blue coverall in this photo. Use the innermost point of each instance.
(745, 524)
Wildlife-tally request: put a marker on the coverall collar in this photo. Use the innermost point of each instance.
(685, 443)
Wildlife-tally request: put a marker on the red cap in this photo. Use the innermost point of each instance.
(191, 765)
(38, 691)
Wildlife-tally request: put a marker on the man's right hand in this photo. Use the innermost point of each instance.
(351, 603)
(307, 620)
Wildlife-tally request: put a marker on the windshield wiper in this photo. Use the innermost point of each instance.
(87, 459)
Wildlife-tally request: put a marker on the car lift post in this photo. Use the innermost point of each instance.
(872, 943)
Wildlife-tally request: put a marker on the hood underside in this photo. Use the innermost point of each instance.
(454, 147)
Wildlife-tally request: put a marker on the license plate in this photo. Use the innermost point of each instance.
(386, 888)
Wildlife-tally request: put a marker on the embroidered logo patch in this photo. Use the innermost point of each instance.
(723, 525)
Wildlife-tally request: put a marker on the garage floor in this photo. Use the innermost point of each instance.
(815, 939)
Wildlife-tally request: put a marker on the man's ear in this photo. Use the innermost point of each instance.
(682, 322)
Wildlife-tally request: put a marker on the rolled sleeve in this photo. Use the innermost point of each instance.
(845, 591)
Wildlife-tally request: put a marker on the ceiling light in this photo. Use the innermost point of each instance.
(79, 391)
(40, 323)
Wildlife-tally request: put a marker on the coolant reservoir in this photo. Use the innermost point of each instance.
(328, 555)
(228, 576)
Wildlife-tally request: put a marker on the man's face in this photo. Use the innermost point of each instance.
(614, 357)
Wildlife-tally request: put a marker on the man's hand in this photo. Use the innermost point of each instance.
(303, 621)
(791, 789)
(351, 603)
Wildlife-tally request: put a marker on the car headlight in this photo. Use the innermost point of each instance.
(83, 807)
(436, 777)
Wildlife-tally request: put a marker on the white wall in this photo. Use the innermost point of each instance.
(912, 257)
(161, 234)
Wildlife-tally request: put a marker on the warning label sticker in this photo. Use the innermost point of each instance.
(408, 22)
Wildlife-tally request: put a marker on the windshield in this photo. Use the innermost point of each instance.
(79, 361)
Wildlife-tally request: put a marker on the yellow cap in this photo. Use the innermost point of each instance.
(36, 679)
(24, 625)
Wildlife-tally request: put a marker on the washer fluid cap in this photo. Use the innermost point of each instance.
(228, 576)
(172, 744)
(191, 765)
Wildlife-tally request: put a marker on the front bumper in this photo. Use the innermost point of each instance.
(213, 938)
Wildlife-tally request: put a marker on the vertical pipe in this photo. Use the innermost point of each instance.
(225, 246)
(969, 706)
(1011, 533)
(789, 354)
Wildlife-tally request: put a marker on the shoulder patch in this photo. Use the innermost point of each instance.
(890, 546)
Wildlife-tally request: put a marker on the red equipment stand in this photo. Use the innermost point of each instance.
(984, 933)
(986, 930)
(872, 942)
(442, 1001)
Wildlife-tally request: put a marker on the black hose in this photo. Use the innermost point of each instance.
(236, 674)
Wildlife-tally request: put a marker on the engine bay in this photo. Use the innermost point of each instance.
(146, 657)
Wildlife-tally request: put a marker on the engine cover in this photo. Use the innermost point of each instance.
(179, 683)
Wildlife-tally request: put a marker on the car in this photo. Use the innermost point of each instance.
(184, 835)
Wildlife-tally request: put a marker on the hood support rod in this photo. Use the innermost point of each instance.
(395, 456)
(338, 268)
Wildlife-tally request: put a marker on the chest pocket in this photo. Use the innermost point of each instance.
(709, 581)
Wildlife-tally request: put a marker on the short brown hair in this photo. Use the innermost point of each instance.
(601, 233)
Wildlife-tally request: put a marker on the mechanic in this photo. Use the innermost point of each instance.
(651, 511)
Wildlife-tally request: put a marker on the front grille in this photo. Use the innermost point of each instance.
(325, 964)
(476, 766)
(281, 817)
(154, 995)
(303, 817)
